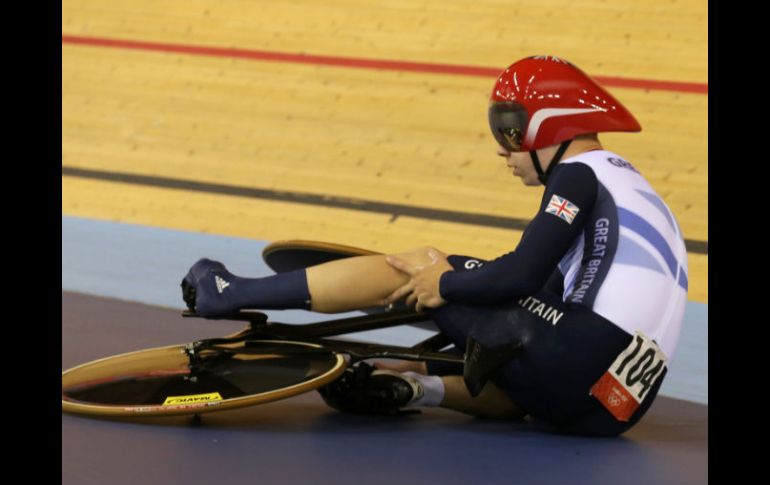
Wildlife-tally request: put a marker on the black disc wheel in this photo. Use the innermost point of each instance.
(168, 381)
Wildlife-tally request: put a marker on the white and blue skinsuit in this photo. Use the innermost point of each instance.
(603, 246)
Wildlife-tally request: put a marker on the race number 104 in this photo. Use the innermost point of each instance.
(639, 366)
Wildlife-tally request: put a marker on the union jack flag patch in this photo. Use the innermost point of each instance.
(562, 208)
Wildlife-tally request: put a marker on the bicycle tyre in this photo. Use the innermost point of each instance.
(161, 382)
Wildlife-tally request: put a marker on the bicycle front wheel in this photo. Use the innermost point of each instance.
(162, 381)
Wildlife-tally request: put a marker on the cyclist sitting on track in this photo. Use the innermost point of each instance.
(595, 291)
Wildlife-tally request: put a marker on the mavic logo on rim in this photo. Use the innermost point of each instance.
(221, 284)
(192, 399)
(547, 113)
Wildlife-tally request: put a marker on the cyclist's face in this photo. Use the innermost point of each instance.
(520, 164)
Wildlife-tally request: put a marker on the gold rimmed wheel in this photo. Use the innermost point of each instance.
(162, 382)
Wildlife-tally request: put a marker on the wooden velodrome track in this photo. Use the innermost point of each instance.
(192, 125)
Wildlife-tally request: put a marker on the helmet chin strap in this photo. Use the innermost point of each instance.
(543, 176)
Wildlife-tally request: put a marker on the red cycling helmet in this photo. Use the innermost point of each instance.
(543, 100)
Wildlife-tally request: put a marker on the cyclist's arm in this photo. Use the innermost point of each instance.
(543, 244)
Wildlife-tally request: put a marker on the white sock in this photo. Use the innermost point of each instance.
(432, 389)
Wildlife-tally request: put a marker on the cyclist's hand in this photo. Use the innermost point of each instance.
(423, 287)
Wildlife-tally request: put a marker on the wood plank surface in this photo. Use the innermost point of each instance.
(386, 136)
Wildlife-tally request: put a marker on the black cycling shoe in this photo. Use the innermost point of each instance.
(364, 390)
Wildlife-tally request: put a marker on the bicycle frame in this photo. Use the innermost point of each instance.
(262, 329)
(478, 362)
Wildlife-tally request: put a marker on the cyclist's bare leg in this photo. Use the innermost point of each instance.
(358, 282)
